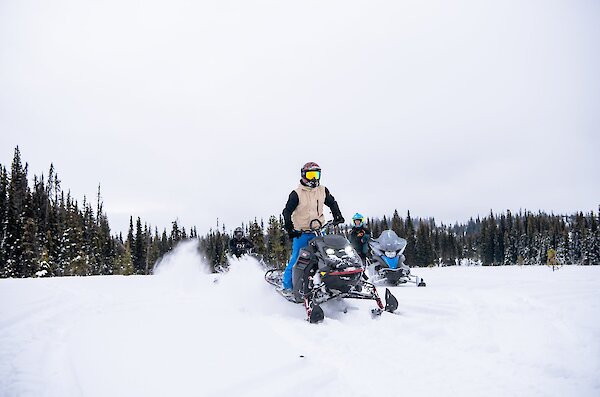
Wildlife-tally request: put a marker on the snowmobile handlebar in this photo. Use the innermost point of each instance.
(319, 228)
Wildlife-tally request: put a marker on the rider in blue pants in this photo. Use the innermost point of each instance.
(297, 244)
(305, 204)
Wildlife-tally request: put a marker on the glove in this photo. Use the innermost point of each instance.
(338, 219)
(294, 233)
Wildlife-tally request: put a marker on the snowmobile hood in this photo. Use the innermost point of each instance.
(335, 241)
(389, 241)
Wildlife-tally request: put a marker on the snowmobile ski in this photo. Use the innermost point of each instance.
(391, 303)
(275, 277)
(288, 297)
(314, 312)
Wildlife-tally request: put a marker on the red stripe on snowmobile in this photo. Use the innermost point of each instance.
(345, 273)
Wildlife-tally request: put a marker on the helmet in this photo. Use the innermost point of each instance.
(311, 174)
(238, 233)
(358, 217)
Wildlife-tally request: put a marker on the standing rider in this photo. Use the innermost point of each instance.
(239, 245)
(359, 236)
(304, 204)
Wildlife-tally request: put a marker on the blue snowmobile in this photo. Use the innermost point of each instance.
(386, 262)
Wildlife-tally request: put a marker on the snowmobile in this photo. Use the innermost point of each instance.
(329, 268)
(387, 260)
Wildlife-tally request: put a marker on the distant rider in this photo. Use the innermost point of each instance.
(304, 204)
(359, 236)
(239, 245)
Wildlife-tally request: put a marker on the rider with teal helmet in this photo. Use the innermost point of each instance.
(360, 235)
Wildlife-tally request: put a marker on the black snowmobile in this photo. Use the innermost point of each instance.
(329, 268)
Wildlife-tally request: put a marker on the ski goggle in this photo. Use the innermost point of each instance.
(313, 175)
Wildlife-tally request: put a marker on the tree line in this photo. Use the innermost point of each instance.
(524, 238)
(46, 232)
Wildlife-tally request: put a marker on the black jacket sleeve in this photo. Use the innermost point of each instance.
(333, 205)
(353, 238)
(232, 247)
(248, 244)
(290, 206)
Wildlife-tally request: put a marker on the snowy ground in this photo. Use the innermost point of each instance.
(509, 331)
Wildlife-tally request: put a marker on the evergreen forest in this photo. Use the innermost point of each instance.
(44, 231)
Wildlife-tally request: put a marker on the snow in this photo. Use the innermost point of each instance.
(472, 331)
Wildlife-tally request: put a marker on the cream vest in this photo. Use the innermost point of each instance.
(310, 206)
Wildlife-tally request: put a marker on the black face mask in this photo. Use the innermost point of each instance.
(310, 183)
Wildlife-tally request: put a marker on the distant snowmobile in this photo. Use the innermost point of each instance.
(329, 268)
(387, 261)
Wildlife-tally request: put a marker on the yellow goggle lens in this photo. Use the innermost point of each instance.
(313, 175)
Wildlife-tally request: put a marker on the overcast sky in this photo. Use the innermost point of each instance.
(202, 109)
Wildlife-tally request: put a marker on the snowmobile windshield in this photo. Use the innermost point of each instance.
(389, 241)
(335, 241)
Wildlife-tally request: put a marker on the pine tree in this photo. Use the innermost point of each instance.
(384, 224)
(54, 228)
(219, 245)
(576, 238)
(31, 250)
(154, 250)
(595, 235)
(105, 244)
(562, 249)
(257, 237)
(147, 247)
(139, 249)
(588, 246)
(490, 241)
(510, 241)
(436, 246)
(17, 192)
(452, 254)
(77, 260)
(131, 240)
(277, 254)
(164, 243)
(123, 262)
(532, 242)
(397, 224)
(89, 236)
(410, 252)
(3, 219)
(175, 234)
(499, 245)
(424, 255)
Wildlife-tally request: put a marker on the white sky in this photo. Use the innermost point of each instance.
(197, 110)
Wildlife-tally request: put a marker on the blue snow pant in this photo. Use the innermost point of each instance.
(297, 244)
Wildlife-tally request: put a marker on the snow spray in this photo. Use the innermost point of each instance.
(184, 266)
